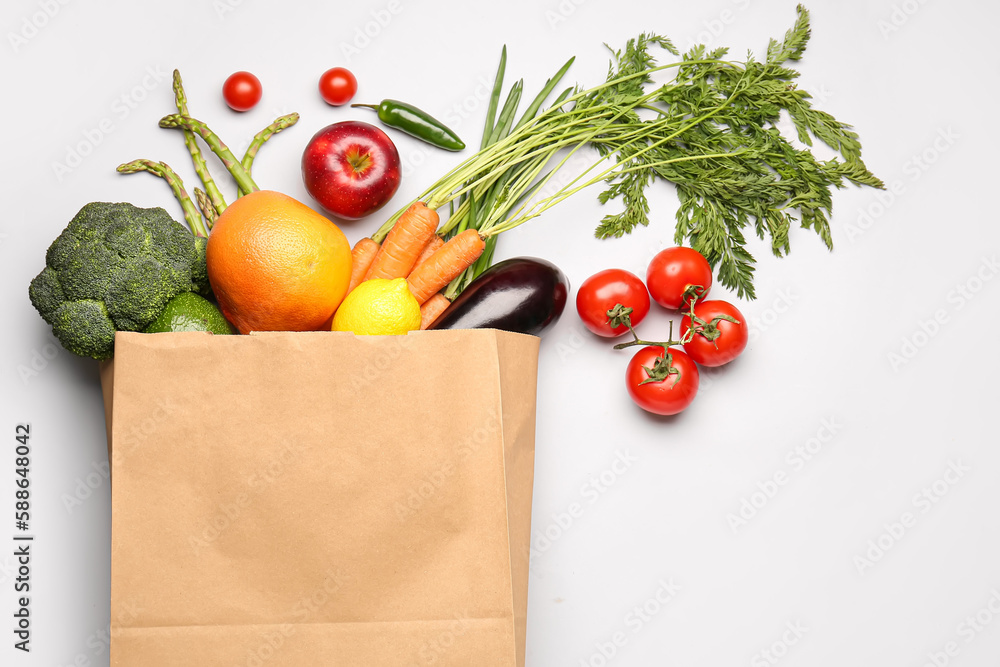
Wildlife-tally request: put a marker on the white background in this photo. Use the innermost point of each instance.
(917, 79)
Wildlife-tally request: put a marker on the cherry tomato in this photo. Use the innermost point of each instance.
(337, 86)
(672, 270)
(669, 395)
(602, 291)
(732, 337)
(242, 91)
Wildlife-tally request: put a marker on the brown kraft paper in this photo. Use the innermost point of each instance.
(299, 499)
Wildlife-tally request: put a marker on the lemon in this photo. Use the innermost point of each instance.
(378, 308)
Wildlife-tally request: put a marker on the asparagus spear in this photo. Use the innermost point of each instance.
(242, 178)
(200, 167)
(207, 208)
(162, 170)
(281, 123)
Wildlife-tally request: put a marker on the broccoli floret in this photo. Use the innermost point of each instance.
(46, 293)
(128, 241)
(84, 328)
(84, 268)
(93, 220)
(114, 268)
(140, 291)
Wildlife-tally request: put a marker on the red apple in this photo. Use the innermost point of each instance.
(351, 168)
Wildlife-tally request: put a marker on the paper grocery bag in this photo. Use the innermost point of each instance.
(299, 499)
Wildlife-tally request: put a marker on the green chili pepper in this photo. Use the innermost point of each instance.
(408, 118)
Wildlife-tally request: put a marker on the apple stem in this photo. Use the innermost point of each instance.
(360, 162)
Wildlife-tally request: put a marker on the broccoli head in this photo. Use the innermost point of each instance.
(114, 268)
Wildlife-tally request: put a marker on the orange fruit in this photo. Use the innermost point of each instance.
(277, 265)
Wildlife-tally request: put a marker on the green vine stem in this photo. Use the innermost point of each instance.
(621, 315)
(663, 366)
(162, 170)
(242, 178)
(708, 329)
(280, 123)
(638, 341)
(200, 166)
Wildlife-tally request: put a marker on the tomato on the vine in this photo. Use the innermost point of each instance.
(337, 86)
(717, 340)
(672, 271)
(603, 291)
(242, 91)
(662, 382)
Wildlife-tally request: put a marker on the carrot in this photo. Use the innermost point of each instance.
(432, 309)
(363, 255)
(429, 249)
(403, 243)
(445, 264)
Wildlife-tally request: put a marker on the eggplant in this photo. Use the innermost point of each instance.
(524, 295)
